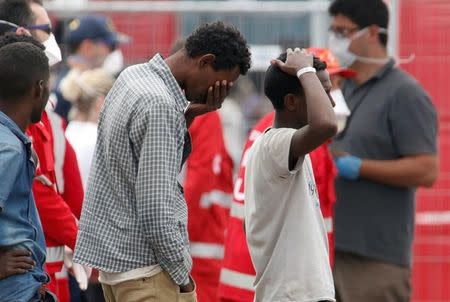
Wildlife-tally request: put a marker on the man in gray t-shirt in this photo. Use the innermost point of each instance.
(386, 151)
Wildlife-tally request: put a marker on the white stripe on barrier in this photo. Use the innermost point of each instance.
(328, 224)
(207, 250)
(216, 197)
(55, 254)
(237, 210)
(433, 218)
(235, 279)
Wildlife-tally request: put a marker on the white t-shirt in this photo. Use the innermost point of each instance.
(83, 137)
(285, 230)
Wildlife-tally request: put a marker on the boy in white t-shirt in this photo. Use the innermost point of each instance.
(285, 231)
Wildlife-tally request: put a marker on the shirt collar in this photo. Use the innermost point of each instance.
(12, 126)
(351, 85)
(158, 65)
(386, 68)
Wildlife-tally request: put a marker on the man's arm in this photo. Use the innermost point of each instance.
(322, 123)
(10, 162)
(156, 185)
(413, 128)
(58, 221)
(411, 171)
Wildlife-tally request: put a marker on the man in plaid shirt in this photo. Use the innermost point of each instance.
(133, 223)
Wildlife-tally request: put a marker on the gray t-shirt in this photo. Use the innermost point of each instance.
(392, 117)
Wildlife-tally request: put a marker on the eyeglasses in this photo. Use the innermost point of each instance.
(342, 32)
(44, 27)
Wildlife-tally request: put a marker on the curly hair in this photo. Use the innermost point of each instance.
(224, 41)
(278, 84)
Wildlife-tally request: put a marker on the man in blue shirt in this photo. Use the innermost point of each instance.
(24, 92)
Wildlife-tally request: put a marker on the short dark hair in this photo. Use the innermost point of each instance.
(23, 63)
(17, 12)
(363, 13)
(278, 84)
(223, 41)
(39, 2)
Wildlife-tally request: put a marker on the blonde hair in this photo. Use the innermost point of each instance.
(82, 88)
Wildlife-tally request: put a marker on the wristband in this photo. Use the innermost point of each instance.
(305, 70)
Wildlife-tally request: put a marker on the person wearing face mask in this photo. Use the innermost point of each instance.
(387, 149)
(92, 42)
(57, 206)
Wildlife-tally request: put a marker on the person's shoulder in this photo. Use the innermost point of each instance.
(141, 79)
(275, 139)
(277, 133)
(8, 140)
(403, 82)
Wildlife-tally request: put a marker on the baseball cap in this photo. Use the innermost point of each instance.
(333, 65)
(93, 28)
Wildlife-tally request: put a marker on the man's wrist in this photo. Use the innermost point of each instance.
(349, 167)
(186, 281)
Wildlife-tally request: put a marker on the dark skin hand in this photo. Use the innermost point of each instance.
(15, 262)
(215, 97)
(187, 288)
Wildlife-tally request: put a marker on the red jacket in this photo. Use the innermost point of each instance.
(58, 221)
(208, 188)
(237, 276)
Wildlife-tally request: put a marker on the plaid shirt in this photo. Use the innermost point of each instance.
(134, 213)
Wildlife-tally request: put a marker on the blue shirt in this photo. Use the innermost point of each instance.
(20, 227)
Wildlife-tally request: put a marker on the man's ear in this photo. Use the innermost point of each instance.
(374, 31)
(290, 102)
(39, 89)
(206, 60)
(20, 31)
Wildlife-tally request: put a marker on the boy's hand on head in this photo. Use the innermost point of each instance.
(296, 59)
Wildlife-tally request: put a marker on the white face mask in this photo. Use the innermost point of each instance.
(340, 48)
(341, 109)
(114, 62)
(52, 51)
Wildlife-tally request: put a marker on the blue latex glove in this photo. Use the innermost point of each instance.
(348, 166)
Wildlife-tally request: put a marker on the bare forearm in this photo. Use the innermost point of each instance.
(405, 172)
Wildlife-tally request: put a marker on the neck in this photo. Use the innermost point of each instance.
(365, 71)
(178, 65)
(17, 114)
(86, 117)
(284, 120)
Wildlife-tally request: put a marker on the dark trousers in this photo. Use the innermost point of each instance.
(357, 279)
